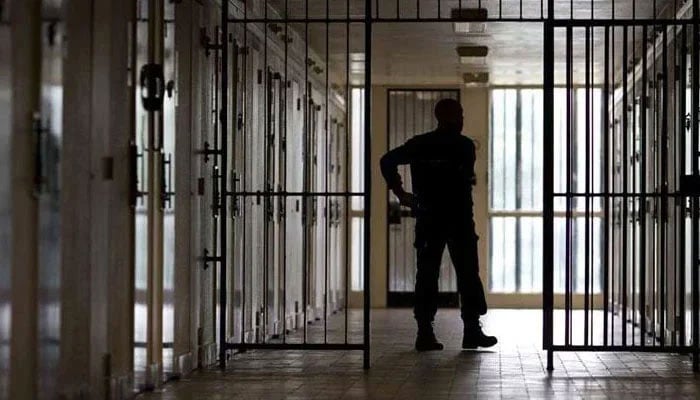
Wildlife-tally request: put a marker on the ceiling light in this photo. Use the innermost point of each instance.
(473, 55)
(476, 78)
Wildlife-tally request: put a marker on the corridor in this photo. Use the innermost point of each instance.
(207, 199)
(515, 369)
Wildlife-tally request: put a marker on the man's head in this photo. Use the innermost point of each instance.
(449, 115)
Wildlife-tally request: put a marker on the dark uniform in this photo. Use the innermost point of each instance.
(442, 168)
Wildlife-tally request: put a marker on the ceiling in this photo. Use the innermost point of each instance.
(408, 53)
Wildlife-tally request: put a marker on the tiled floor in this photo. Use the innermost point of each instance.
(514, 369)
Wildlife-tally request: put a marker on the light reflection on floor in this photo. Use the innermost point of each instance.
(515, 368)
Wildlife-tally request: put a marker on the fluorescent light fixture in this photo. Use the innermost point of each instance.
(476, 78)
(357, 56)
(473, 55)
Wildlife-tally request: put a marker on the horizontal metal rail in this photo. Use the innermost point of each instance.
(295, 346)
(615, 348)
(295, 194)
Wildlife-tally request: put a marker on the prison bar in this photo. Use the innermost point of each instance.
(262, 148)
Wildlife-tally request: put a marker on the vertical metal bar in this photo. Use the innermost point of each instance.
(633, 197)
(643, 201)
(592, 200)
(307, 169)
(587, 212)
(548, 186)
(569, 148)
(348, 132)
(223, 182)
(664, 189)
(625, 160)
(327, 170)
(613, 188)
(518, 186)
(285, 87)
(571, 9)
(655, 210)
(368, 180)
(391, 275)
(246, 53)
(695, 93)
(266, 176)
(605, 137)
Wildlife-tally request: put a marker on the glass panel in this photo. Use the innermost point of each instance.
(357, 155)
(357, 272)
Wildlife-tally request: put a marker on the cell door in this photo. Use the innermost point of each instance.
(621, 222)
(167, 187)
(149, 193)
(295, 165)
(410, 113)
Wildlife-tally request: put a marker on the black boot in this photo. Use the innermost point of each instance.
(474, 337)
(426, 340)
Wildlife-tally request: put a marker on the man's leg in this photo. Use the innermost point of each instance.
(429, 248)
(465, 258)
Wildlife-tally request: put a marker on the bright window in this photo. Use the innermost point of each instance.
(357, 185)
(515, 212)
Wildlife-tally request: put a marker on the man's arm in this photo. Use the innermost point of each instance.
(389, 164)
(472, 154)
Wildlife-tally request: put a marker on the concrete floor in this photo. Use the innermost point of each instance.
(514, 369)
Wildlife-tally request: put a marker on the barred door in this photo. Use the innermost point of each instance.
(621, 157)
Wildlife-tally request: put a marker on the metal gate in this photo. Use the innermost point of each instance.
(621, 167)
(410, 113)
(619, 206)
(284, 193)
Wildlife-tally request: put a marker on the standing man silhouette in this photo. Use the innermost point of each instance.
(442, 171)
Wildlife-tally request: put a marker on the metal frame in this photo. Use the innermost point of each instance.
(223, 182)
(612, 194)
(552, 18)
